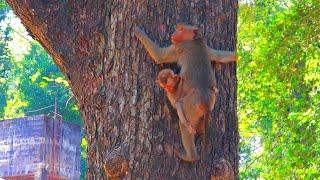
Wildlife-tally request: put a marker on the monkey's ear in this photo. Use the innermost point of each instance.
(197, 33)
(195, 30)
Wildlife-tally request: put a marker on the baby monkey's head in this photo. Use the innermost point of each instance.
(168, 80)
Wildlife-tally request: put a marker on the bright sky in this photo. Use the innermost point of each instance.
(20, 43)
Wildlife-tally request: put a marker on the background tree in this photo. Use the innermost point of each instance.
(5, 56)
(126, 116)
(279, 89)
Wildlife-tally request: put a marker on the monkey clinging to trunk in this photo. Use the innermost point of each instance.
(172, 84)
(198, 90)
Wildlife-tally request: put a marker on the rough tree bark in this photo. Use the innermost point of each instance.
(127, 117)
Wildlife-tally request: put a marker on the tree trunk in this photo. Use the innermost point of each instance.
(127, 117)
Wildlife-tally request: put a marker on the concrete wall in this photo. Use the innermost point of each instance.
(37, 144)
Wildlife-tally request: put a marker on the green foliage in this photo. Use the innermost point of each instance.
(41, 82)
(83, 166)
(5, 60)
(34, 80)
(3, 4)
(279, 89)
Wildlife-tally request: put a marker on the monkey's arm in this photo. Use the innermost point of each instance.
(160, 55)
(221, 56)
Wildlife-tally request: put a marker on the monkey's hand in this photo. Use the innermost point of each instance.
(138, 32)
(234, 57)
(191, 129)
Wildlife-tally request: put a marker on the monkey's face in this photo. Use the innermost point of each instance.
(162, 82)
(184, 33)
(171, 83)
(167, 80)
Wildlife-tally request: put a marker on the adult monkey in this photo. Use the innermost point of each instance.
(189, 50)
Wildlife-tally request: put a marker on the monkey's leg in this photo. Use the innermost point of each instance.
(183, 119)
(202, 128)
(204, 122)
(190, 154)
(204, 136)
(188, 142)
(214, 92)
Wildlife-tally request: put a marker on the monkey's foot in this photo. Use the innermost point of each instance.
(191, 129)
(171, 150)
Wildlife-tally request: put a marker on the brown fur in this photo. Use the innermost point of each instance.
(173, 84)
(198, 87)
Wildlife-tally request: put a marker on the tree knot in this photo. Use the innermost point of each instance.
(117, 164)
(222, 170)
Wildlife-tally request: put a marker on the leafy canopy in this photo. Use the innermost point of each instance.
(279, 89)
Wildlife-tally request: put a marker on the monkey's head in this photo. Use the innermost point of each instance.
(168, 80)
(185, 33)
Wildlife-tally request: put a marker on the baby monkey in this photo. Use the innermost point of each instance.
(181, 100)
(172, 84)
